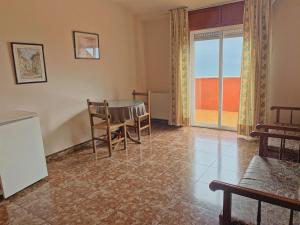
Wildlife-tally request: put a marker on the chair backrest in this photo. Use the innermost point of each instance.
(280, 109)
(285, 138)
(98, 110)
(145, 96)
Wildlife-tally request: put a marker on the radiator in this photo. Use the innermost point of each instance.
(160, 105)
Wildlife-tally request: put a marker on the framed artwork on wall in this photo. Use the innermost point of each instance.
(29, 63)
(86, 45)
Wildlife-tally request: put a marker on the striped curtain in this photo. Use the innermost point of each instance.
(180, 115)
(255, 65)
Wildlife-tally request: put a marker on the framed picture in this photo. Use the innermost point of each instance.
(29, 63)
(86, 45)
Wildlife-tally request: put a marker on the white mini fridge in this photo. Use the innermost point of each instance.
(22, 157)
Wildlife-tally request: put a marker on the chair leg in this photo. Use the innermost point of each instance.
(139, 128)
(149, 128)
(94, 145)
(109, 142)
(136, 126)
(93, 141)
(125, 137)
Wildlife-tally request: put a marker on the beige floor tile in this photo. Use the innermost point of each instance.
(162, 181)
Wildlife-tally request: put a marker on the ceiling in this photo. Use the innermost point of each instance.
(142, 7)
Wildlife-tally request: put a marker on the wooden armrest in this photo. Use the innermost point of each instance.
(277, 127)
(285, 108)
(257, 195)
(274, 135)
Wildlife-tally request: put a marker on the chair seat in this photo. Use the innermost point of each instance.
(103, 126)
(132, 123)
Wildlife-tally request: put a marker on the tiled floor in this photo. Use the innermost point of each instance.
(162, 181)
(210, 117)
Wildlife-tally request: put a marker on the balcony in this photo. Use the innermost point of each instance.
(207, 100)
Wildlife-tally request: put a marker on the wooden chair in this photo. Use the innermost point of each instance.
(99, 111)
(142, 122)
(279, 140)
(280, 109)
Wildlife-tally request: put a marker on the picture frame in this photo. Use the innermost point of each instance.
(86, 45)
(29, 63)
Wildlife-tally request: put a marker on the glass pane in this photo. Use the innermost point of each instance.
(206, 58)
(232, 58)
(206, 79)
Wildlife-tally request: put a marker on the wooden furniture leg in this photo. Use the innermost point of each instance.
(149, 128)
(94, 144)
(227, 208)
(132, 139)
(109, 139)
(124, 135)
(139, 128)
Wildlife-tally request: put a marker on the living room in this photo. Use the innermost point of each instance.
(190, 92)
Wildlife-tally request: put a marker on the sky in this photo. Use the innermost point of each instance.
(207, 57)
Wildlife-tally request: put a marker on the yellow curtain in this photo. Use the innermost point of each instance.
(179, 67)
(255, 65)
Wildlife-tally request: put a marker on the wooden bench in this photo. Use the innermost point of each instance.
(267, 194)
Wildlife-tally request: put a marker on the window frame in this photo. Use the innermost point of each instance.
(221, 30)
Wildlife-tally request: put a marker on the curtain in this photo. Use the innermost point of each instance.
(179, 67)
(255, 65)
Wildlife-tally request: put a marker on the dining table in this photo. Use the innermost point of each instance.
(125, 110)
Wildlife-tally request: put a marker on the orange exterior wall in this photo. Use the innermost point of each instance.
(206, 92)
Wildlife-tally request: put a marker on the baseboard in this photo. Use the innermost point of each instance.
(78, 147)
(88, 144)
(164, 121)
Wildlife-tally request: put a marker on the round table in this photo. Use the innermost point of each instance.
(123, 110)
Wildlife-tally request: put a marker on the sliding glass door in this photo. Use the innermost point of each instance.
(216, 65)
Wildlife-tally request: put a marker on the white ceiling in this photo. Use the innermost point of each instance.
(142, 7)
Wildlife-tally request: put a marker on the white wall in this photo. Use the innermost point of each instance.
(61, 103)
(155, 56)
(154, 52)
(285, 60)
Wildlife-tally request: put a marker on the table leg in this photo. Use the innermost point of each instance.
(133, 139)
